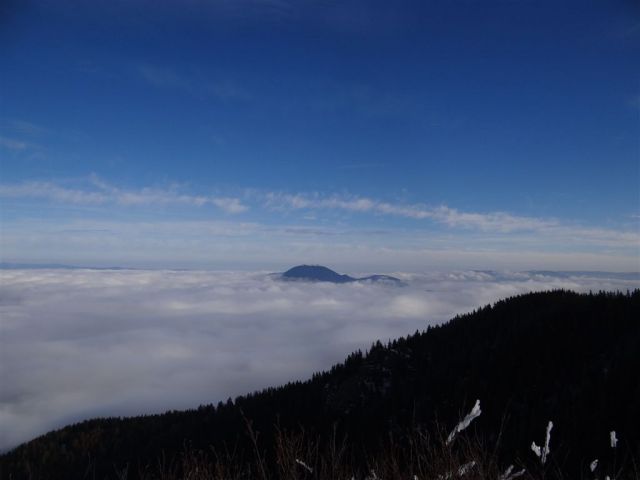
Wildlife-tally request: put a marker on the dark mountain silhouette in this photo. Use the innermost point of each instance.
(315, 273)
(318, 273)
(561, 356)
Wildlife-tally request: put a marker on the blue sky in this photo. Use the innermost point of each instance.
(364, 135)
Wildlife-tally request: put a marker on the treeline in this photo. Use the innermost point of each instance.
(561, 356)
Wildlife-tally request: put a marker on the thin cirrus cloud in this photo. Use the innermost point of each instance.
(20, 136)
(24, 128)
(488, 228)
(13, 144)
(191, 83)
(496, 222)
(104, 193)
(499, 221)
(231, 243)
(85, 343)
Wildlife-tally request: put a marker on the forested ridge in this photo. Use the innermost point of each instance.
(561, 356)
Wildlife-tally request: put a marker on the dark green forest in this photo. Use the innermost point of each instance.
(559, 356)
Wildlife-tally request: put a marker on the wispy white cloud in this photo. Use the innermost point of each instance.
(361, 166)
(229, 205)
(163, 77)
(32, 137)
(493, 221)
(490, 222)
(13, 144)
(426, 229)
(53, 192)
(191, 83)
(23, 127)
(182, 243)
(284, 201)
(103, 192)
(497, 221)
(19, 136)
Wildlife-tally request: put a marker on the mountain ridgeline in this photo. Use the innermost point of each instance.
(561, 356)
(318, 273)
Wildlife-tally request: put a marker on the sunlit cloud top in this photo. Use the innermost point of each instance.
(85, 343)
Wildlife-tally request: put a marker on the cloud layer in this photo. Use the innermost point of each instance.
(83, 343)
(97, 195)
(102, 193)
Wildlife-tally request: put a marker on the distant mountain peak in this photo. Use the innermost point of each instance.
(315, 273)
(320, 273)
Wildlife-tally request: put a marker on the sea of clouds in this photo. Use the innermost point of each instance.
(80, 343)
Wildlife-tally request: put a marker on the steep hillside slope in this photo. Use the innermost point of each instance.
(559, 356)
